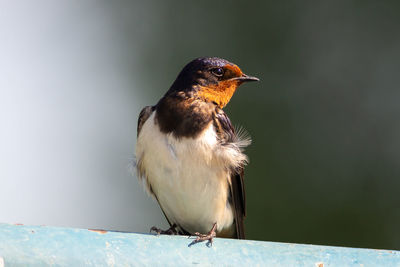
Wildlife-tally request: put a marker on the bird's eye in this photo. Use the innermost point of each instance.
(218, 72)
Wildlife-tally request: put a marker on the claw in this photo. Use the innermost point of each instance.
(156, 230)
(209, 236)
(170, 231)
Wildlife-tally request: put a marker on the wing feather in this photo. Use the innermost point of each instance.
(143, 116)
(226, 133)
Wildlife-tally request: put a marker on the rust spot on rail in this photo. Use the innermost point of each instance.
(100, 231)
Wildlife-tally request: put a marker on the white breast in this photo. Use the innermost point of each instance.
(188, 176)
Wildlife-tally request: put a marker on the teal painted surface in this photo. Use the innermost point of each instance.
(42, 246)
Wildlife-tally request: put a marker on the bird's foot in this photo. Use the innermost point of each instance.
(209, 236)
(169, 231)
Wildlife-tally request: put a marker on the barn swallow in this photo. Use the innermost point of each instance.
(190, 157)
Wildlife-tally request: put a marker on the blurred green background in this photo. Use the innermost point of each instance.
(324, 162)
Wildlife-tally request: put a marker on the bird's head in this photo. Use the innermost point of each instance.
(210, 79)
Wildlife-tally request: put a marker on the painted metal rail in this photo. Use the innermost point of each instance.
(53, 246)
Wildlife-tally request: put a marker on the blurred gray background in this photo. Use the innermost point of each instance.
(324, 119)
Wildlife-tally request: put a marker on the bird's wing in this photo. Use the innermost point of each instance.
(227, 134)
(143, 116)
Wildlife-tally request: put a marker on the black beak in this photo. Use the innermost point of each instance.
(246, 78)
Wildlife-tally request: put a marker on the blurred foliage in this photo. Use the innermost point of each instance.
(324, 119)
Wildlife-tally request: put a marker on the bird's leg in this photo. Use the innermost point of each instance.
(209, 236)
(169, 231)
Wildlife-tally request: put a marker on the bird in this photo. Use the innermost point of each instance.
(190, 158)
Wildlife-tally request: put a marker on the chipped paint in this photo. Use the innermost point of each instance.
(100, 231)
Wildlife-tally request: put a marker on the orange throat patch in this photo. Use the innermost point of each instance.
(220, 94)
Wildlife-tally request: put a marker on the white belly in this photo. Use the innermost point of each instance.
(190, 177)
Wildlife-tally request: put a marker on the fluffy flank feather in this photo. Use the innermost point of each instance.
(242, 138)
